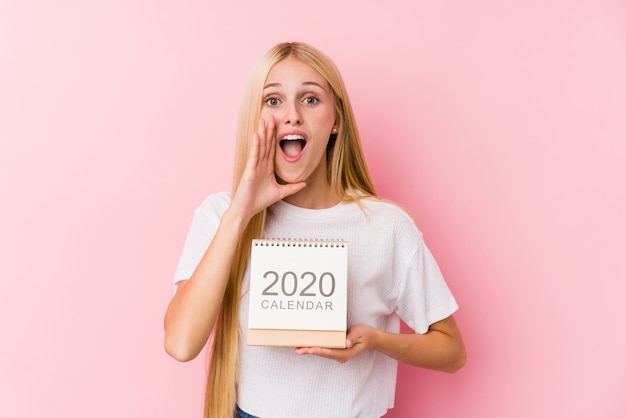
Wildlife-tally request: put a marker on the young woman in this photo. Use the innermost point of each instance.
(300, 173)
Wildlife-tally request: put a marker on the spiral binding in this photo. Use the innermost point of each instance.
(291, 242)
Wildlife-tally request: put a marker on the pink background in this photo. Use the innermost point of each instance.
(500, 124)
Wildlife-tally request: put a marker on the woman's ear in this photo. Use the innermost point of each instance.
(332, 139)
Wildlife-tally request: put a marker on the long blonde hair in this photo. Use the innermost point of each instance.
(347, 175)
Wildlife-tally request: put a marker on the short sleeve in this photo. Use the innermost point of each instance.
(204, 224)
(423, 296)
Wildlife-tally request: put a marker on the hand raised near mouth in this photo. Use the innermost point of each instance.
(258, 187)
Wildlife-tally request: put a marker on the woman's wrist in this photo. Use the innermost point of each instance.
(235, 220)
(376, 339)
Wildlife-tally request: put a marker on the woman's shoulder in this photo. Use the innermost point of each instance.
(396, 220)
(385, 207)
(215, 202)
(392, 214)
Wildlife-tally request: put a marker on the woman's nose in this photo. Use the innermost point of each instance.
(292, 115)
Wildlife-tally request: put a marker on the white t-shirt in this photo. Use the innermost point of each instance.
(391, 275)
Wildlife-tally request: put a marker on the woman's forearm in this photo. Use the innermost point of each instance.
(192, 312)
(441, 348)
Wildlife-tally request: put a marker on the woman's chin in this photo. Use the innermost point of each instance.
(287, 179)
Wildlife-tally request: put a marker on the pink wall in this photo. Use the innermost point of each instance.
(500, 124)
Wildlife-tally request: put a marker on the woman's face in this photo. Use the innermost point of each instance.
(301, 102)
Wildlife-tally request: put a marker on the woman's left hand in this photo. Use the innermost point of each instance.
(358, 339)
(440, 348)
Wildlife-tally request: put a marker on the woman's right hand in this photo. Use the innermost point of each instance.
(258, 187)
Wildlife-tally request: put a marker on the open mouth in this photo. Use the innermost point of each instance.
(292, 145)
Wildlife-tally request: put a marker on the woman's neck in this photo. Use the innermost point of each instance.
(315, 196)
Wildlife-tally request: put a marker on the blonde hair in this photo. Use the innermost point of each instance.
(347, 175)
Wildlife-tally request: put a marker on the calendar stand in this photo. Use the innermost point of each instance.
(298, 293)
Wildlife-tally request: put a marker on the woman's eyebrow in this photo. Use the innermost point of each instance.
(312, 83)
(305, 83)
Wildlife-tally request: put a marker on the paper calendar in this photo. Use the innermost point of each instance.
(298, 293)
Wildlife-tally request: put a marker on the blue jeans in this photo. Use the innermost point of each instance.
(241, 414)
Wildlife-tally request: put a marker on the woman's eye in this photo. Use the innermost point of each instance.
(311, 100)
(272, 101)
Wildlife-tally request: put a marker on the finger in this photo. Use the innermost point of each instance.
(271, 138)
(337, 354)
(261, 132)
(253, 158)
(307, 350)
(291, 188)
(317, 351)
(332, 353)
